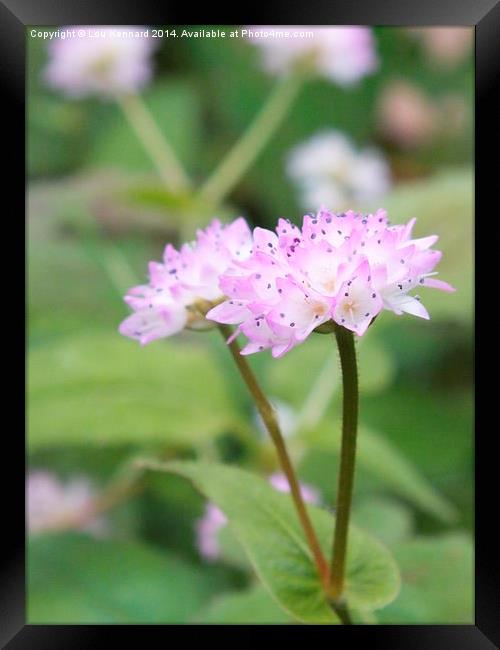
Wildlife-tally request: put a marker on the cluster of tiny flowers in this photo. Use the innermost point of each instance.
(344, 267)
(209, 526)
(341, 54)
(52, 504)
(169, 302)
(107, 63)
(328, 170)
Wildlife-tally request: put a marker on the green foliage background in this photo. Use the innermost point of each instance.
(97, 214)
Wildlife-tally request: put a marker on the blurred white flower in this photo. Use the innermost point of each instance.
(52, 505)
(106, 61)
(342, 54)
(329, 170)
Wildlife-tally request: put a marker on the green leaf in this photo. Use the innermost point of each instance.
(437, 577)
(253, 606)
(105, 389)
(386, 519)
(380, 458)
(266, 524)
(231, 551)
(76, 579)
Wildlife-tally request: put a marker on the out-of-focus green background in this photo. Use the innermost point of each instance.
(97, 213)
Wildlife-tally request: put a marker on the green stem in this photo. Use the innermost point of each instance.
(154, 142)
(269, 418)
(347, 351)
(246, 150)
(340, 608)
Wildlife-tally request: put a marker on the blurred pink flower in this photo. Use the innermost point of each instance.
(342, 54)
(406, 116)
(447, 46)
(164, 306)
(52, 505)
(208, 527)
(328, 170)
(344, 267)
(310, 495)
(105, 61)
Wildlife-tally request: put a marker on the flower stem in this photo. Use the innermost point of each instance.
(269, 418)
(347, 351)
(246, 150)
(154, 142)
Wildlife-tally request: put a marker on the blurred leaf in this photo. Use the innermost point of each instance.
(386, 519)
(106, 390)
(76, 579)
(315, 369)
(158, 196)
(254, 606)
(385, 462)
(390, 466)
(55, 269)
(437, 582)
(431, 426)
(188, 211)
(443, 205)
(376, 367)
(266, 525)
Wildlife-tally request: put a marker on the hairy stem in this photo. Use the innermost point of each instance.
(345, 342)
(270, 420)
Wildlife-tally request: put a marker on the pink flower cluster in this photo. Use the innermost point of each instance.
(344, 267)
(167, 303)
(208, 527)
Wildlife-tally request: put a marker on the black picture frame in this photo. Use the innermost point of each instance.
(484, 15)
